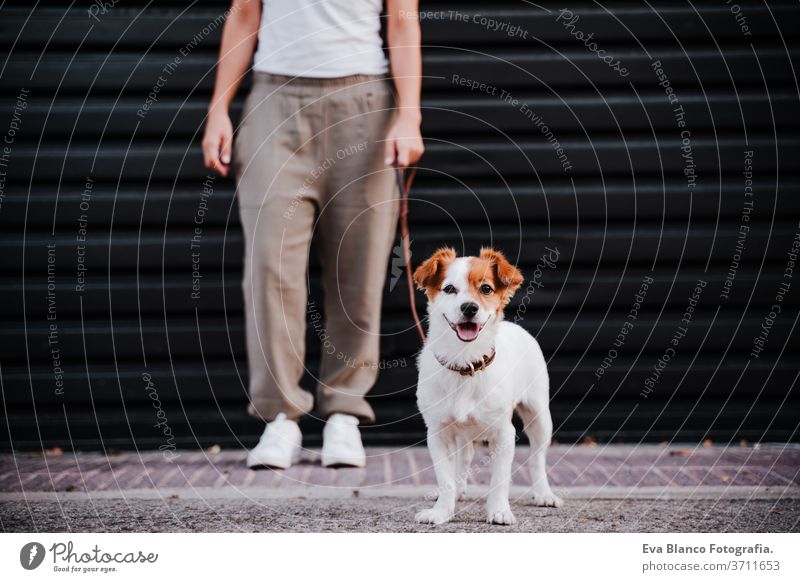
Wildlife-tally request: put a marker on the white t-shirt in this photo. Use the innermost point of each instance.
(320, 38)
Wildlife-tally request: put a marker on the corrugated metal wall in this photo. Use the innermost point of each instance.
(606, 169)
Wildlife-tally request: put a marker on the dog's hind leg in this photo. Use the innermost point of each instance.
(538, 427)
(465, 451)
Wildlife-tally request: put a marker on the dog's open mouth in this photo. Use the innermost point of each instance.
(466, 330)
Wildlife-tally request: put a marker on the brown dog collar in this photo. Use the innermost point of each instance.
(471, 367)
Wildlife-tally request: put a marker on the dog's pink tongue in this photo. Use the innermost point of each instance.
(467, 331)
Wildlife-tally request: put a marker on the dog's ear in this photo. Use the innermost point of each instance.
(506, 274)
(430, 273)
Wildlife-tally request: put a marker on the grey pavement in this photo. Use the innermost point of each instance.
(394, 514)
(606, 488)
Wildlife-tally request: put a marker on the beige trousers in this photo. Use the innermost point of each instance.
(309, 162)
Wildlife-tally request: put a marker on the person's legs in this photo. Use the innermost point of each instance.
(274, 155)
(357, 226)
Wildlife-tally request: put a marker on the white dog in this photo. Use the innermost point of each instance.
(475, 370)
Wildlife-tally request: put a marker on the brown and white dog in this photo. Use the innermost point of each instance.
(475, 370)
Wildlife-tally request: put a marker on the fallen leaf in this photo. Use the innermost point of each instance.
(681, 453)
(778, 512)
(174, 496)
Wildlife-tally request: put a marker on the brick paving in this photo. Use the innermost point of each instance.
(576, 466)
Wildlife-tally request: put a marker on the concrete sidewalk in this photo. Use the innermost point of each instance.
(606, 488)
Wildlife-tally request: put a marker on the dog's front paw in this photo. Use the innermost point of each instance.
(547, 499)
(500, 516)
(432, 515)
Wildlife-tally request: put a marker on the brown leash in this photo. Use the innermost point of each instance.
(404, 185)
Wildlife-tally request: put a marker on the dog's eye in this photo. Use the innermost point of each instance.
(449, 289)
(486, 289)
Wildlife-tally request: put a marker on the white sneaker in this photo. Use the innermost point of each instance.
(341, 442)
(279, 446)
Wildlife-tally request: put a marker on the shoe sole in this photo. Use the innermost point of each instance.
(260, 466)
(334, 463)
(271, 463)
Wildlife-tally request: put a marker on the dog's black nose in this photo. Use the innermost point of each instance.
(469, 309)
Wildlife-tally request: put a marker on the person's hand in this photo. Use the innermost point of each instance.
(404, 141)
(217, 142)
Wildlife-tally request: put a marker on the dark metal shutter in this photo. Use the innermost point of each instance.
(567, 158)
